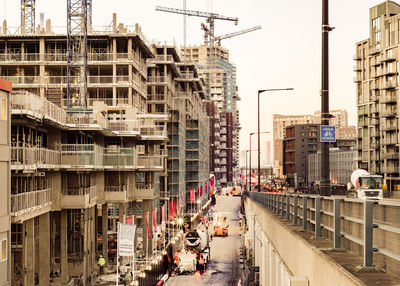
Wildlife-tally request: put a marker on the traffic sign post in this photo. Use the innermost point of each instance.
(328, 133)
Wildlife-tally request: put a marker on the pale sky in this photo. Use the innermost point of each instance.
(285, 53)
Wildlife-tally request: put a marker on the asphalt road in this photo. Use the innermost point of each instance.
(223, 268)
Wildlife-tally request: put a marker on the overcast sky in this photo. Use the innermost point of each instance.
(285, 53)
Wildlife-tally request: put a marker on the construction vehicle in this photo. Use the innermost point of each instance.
(220, 226)
(196, 243)
(365, 186)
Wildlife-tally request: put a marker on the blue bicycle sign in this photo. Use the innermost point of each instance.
(328, 133)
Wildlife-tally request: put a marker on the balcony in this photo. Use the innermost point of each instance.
(151, 163)
(78, 197)
(389, 128)
(357, 78)
(162, 59)
(32, 158)
(390, 156)
(124, 127)
(189, 75)
(390, 84)
(26, 103)
(357, 67)
(388, 98)
(388, 113)
(389, 141)
(390, 169)
(87, 120)
(144, 191)
(119, 158)
(158, 80)
(116, 194)
(153, 132)
(31, 201)
(81, 156)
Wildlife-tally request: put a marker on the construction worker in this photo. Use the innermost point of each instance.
(176, 257)
(202, 264)
(101, 263)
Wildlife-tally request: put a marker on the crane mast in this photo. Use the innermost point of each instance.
(28, 16)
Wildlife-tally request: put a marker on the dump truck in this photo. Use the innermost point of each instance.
(365, 186)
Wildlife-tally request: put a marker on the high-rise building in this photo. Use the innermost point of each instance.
(377, 81)
(267, 153)
(280, 122)
(221, 93)
(300, 141)
(77, 170)
(5, 227)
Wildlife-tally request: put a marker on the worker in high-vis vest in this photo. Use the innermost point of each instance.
(101, 263)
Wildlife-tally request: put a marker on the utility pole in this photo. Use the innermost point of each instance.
(325, 185)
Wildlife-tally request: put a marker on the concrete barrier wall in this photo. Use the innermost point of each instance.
(297, 256)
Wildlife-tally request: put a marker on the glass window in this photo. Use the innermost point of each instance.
(3, 111)
(3, 250)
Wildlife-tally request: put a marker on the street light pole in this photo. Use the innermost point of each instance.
(258, 113)
(247, 151)
(325, 185)
(252, 133)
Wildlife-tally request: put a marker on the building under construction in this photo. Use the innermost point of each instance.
(222, 96)
(116, 132)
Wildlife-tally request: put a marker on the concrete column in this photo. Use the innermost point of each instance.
(93, 230)
(267, 266)
(262, 253)
(272, 266)
(64, 247)
(122, 212)
(86, 241)
(114, 47)
(29, 252)
(130, 70)
(42, 65)
(147, 243)
(44, 249)
(104, 227)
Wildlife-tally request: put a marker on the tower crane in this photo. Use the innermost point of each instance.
(211, 17)
(28, 16)
(234, 34)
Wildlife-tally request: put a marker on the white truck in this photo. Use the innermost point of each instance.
(365, 186)
(196, 243)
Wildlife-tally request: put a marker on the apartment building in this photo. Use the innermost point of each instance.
(342, 164)
(377, 79)
(280, 122)
(76, 171)
(221, 93)
(301, 140)
(5, 230)
(177, 92)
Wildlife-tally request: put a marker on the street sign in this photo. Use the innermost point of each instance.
(328, 133)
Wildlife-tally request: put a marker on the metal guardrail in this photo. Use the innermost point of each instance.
(349, 222)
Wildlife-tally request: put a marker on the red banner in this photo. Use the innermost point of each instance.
(162, 214)
(155, 220)
(173, 208)
(191, 196)
(201, 191)
(170, 211)
(198, 192)
(147, 223)
(129, 220)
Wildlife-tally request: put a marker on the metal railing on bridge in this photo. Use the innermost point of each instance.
(365, 227)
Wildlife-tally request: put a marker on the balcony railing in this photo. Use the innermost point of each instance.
(25, 201)
(87, 120)
(153, 131)
(121, 188)
(23, 102)
(119, 158)
(150, 162)
(124, 126)
(81, 156)
(32, 157)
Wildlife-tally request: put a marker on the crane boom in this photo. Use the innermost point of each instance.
(197, 14)
(230, 35)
